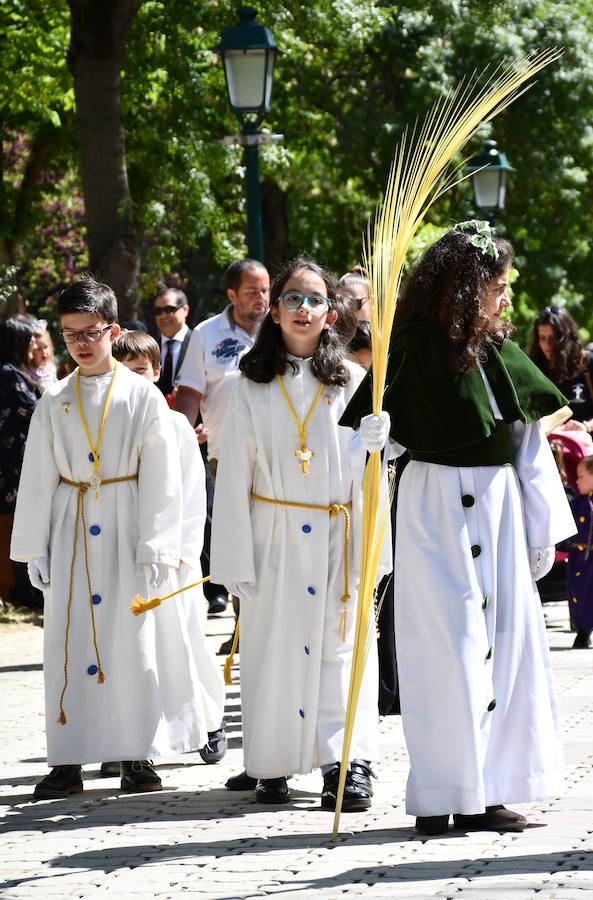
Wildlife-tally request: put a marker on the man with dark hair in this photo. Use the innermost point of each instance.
(211, 366)
(170, 310)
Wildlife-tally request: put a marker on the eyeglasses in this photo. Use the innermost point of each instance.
(292, 301)
(91, 336)
(166, 310)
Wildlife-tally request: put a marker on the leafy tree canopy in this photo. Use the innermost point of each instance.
(352, 74)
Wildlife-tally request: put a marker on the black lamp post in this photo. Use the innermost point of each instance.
(489, 171)
(248, 52)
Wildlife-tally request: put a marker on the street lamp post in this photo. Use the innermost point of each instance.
(248, 52)
(489, 172)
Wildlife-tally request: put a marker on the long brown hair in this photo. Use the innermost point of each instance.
(447, 285)
(567, 346)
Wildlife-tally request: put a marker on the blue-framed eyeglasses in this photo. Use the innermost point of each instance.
(292, 301)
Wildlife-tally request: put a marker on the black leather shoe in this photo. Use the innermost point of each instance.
(226, 647)
(272, 790)
(583, 639)
(217, 746)
(432, 824)
(217, 605)
(110, 770)
(241, 782)
(357, 789)
(139, 777)
(60, 782)
(496, 818)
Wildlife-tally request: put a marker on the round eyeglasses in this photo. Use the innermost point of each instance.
(292, 301)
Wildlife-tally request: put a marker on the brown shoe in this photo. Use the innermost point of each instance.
(496, 818)
(432, 824)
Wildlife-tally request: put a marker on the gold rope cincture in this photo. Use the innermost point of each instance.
(95, 482)
(141, 605)
(304, 454)
(82, 487)
(230, 660)
(333, 509)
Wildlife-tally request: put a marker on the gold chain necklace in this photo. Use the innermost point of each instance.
(304, 454)
(95, 481)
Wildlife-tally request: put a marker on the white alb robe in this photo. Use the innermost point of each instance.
(295, 668)
(149, 704)
(193, 480)
(469, 629)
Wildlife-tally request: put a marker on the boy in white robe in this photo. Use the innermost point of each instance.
(140, 353)
(98, 520)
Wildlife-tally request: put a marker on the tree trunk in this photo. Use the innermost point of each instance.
(99, 32)
(275, 224)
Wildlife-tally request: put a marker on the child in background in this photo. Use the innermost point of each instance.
(42, 369)
(98, 520)
(140, 353)
(286, 485)
(580, 560)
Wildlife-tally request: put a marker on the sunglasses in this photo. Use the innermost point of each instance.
(166, 310)
(292, 300)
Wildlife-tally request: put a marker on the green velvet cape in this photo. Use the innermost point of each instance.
(446, 417)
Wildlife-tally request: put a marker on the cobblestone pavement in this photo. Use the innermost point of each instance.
(195, 839)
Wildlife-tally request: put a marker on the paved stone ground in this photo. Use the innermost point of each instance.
(197, 840)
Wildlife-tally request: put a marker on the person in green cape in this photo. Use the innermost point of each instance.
(480, 507)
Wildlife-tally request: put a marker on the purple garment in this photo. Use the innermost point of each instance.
(580, 565)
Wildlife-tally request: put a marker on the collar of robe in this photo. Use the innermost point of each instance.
(434, 409)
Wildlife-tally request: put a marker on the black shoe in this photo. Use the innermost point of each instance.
(138, 777)
(272, 790)
(226, 647)
(496, 818)
(241, 782)
(432, 824)
(583, 639)
(217, 746)
(110, 770)
(60, 782)
(217, 605)
(357, 789)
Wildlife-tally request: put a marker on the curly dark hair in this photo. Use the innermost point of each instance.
(568, 348)
(447, 285)
(268, 357)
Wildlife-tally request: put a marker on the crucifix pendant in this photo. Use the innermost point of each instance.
(95, 484)
(304, 455)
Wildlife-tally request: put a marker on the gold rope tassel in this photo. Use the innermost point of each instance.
(141, 605)
(334, 509)
(230, 660)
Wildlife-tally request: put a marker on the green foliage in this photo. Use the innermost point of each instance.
(352, 75)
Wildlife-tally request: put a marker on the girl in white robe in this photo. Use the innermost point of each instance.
(480, 506)
(287, 563)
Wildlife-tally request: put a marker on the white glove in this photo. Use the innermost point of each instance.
(244, 590)
(156, 573)
(374, 432)
(38, 570)
(541, 560)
